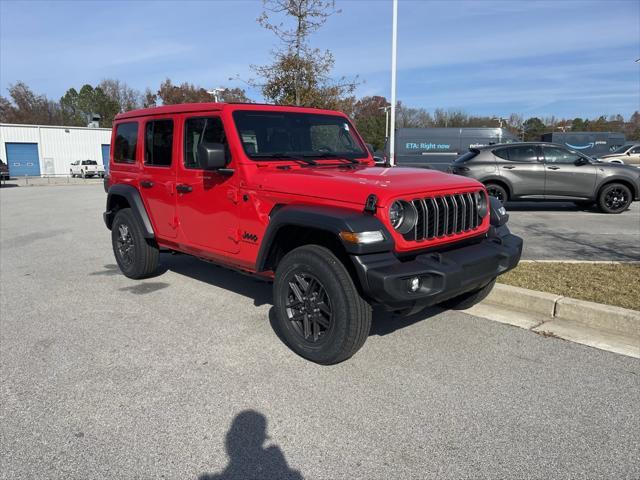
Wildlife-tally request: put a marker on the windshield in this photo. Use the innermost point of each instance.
(623, 148)
(278, 135)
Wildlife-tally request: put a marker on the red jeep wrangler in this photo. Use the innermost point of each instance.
(293, 194)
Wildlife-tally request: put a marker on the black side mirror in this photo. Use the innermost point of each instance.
(581, 161)
(212, 156)
(379, 161)
(629, 153)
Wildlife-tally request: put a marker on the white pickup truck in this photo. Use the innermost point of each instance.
(86, 168)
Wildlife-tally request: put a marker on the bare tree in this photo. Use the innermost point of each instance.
(126, 97)
(299, 74)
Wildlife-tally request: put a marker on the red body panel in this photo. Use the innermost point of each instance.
(222, 215)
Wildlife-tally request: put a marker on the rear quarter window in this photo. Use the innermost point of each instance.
(126, 143)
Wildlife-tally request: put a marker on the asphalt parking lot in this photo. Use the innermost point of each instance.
(180, 376)
(562, 231)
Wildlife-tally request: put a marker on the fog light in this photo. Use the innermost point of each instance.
(414, 284)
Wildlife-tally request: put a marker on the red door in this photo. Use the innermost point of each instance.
(158, 176)
(207, 201)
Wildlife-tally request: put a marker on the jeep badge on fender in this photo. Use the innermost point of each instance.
(334, 232)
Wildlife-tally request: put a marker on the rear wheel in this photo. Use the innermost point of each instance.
(469, 299)
(498, 191)
(319, 313)
(134, 255)
(614, 198)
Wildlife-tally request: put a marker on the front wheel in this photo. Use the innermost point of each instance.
(469, 299)
(319, 313)
(134, 255)
(614, 198)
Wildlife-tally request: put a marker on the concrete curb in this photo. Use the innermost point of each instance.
(602, 326)
(590, 262)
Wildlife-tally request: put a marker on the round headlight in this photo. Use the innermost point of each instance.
(483, 205)
(403, 216)
(396, 214)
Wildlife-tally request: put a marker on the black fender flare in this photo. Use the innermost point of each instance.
(330, 219)
(133, 198)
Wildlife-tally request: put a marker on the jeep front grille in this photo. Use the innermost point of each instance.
(445, 215)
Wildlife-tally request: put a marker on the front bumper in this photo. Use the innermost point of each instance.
(385, 278)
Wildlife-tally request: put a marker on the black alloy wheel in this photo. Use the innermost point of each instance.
(125, 248)
(136, 256)
(308, 307)
(319, 312)
(615, 198)
(497, 191)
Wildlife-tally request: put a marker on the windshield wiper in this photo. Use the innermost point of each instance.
(333, 155)
(285, 156)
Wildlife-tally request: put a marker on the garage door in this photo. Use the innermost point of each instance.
(22, 159)
(106, 149)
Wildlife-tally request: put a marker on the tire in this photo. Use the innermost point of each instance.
(469, 299)
(614, 198)
(332, 321)
(498, 191)
(141, 259)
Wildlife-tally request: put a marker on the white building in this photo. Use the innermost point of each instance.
(41, 150)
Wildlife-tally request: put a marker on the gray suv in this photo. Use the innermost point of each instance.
(547, 171)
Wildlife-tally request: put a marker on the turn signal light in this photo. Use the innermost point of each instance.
(362, 238)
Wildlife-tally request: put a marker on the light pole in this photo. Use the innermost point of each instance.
(394, 42)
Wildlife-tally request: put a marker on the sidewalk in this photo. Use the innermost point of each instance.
(51, 180)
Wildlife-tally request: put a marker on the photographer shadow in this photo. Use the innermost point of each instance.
(249, 459)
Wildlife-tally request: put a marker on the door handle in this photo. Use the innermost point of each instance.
(146, 184)
(553, 168)
(508, 167)
(181, 188)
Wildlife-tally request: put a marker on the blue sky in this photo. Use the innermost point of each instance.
(564, 58)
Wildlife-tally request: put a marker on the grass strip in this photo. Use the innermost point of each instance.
(611, 284)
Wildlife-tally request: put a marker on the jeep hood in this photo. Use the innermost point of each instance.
(354, 185)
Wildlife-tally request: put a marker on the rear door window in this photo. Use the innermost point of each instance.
(126, 143)
(523, 153)
(158, 143)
